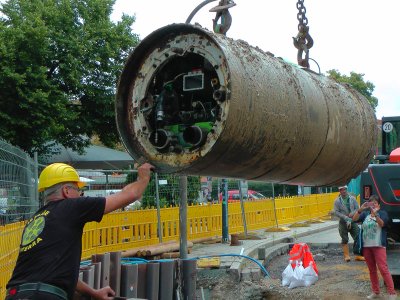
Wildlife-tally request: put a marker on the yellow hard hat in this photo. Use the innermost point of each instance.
(57, 173)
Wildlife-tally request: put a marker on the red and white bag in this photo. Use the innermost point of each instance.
(301, 252)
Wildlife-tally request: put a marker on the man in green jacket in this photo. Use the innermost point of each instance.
(344, 207)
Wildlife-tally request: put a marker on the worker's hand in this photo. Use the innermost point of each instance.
(105, 293)
(374, 211)
(144, 171)
(348, 224)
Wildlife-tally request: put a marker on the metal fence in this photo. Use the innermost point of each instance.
(18, 174)
(19, 198)
(165, 188)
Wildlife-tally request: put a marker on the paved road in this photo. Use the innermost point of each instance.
(326, 236)
(325, 232)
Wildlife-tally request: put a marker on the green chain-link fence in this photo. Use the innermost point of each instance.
(18, 173)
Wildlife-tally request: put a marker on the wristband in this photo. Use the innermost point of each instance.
(358, 211)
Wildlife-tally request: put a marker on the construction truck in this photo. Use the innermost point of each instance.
(382, 177)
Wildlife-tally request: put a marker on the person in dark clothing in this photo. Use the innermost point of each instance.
(51, 245)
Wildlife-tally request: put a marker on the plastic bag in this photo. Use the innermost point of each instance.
(309, 275)
(298, 276)
(287, 274)
(301, 252)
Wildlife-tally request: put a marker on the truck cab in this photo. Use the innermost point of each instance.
(382, 178)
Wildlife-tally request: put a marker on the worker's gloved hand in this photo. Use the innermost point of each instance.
(348, 223)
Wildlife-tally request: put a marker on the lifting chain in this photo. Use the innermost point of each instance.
(222, 12)
(303, 41)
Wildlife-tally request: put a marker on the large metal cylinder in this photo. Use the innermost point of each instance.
(256, 116)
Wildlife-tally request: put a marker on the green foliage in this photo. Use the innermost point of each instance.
(59, 65)
(169, 193)
(356, 81)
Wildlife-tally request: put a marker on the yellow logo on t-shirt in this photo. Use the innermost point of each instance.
(33, 229)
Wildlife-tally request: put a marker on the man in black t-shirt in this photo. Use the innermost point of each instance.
(51, 245)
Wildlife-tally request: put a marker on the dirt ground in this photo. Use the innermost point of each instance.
(337, 280)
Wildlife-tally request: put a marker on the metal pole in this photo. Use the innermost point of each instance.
(183, 216)
(159, 225)
(106, 182)
(225, 229)
(218, 190)
(242, 208)
(36, 170)
(273, 199)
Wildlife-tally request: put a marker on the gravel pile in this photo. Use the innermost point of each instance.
(337, 280)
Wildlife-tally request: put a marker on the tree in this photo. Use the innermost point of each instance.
(356, 80)
(59, 64)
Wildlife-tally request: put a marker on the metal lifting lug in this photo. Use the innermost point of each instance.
(222, 12)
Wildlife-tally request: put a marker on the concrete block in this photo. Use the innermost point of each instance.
(245, 275)
(141, 281)
(105, 268)
(261, 253)
(97, 275)
(234, 273)
(129, 275)
(166, 281)
(256, 274)
(225, 264)
(88, 275)
(153, 280)
(115, 272)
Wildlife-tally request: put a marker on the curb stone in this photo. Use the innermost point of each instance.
(273, 248)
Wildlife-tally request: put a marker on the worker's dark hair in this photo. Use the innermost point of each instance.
(375, 198)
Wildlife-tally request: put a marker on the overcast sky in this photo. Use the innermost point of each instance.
(349, 35)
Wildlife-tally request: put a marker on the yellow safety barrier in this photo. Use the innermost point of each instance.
(10, 238)
(125, 230)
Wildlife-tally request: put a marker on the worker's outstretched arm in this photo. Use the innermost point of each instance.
(105, 293)
(131, 192)
(358, 212)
